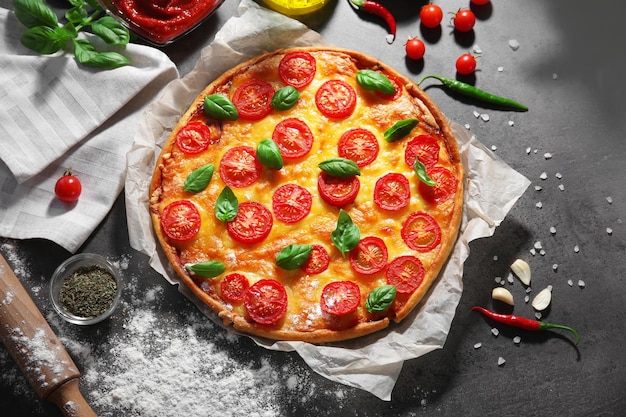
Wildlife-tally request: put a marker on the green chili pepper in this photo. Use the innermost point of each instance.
(476, 93)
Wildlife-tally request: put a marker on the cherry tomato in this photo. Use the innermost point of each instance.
(464, 20)
(369, 256)
(480, 2)
(392, 192)
(318, 261)
(421, 232)
(180, 220)
(359, 145)
(252, 223)
(193, 138)
(340, 298)
(253, 99)
(297, 69)
(415, 48)
(466, 64)
(396, 94)
(445, 187)
(291, 203)
(233, 287)
(338, 191)
(239, 167)
(293, 137)
(431, 15)
(422, 147)
(68, 187)
(266, 301)
(406, 273)
(336, 99)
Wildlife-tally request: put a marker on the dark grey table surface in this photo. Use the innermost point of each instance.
(570, 69)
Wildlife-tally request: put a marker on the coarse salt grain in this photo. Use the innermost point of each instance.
(581, 283)
(484, 117)
(528, 150)
(477, 49)
(609, 231)
(555, 267)
(514, 44)
(511, 123)
(576, 248)
(495, 331)
(543, 176)
(500, 69)
(561, 187)
(517, 340)
(570, 282)
(467, 126)
(538, 188)
(609, 200)
(476, 114)
(477, 345)
(553, 230)
(501, 361)
(539, 204)
(547, 155)
(558, 175)
(538, 245)
(494, 148)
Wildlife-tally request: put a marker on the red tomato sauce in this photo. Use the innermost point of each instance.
(163, 20)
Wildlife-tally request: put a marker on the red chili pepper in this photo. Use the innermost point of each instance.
(379, 10)
(523, 323)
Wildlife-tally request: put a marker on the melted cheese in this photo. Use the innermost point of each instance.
(258, 261)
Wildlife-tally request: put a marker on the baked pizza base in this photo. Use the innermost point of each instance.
(212, 242)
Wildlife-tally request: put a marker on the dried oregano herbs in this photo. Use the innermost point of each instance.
(88, 292)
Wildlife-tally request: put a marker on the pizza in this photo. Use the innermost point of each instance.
(309, 194)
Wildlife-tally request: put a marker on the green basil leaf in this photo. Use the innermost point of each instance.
(380, 298)
(44, 40)
(226, 205)
(209, 269)
(199, 178)
(347, 234)
(87, 55)
(293, 256)
(285, 98)
(76, 14)
(400, 129)
(340, 167)
(420, 170)
(268, 153)
(375, 81)
(34, 13)
(111, 31)
(220, 107)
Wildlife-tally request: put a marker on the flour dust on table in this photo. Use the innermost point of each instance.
(182, 366)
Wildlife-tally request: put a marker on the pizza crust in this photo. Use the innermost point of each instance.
(160, 187)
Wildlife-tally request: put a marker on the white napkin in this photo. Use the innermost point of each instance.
(374, 362)
(56, 114)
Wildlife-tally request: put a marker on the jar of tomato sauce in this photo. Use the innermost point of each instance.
(295, 7)
(161, 21)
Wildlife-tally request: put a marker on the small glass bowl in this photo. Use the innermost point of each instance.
(70, 266)
(159, 32)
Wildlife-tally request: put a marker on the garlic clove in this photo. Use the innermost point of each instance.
(542, 299)
(502, 294)
(522, 270)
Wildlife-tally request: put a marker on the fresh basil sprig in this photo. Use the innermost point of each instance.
(220, 107)
(420, 170)
(226, 205)
(199, 178)
(375, 81)
(209, 269)
(380, 298)
(400, 129)
(46, 35)
(268, 154)
(340, 167)
(293, 256)
(347, 235)
(285, 98)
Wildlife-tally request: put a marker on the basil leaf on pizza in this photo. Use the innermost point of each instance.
(380, 298)
(400, 129)
(375, 81)
(285, 98)
(346, 235)
(226, 205)
(268, 153)
(293, 256)
(199, 178)
(420, 171)
(340, 167)
(220, 107)
(209, 269)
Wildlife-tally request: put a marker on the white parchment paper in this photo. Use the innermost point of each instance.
(374, 362)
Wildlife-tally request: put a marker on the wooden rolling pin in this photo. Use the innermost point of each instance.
(38, 352)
